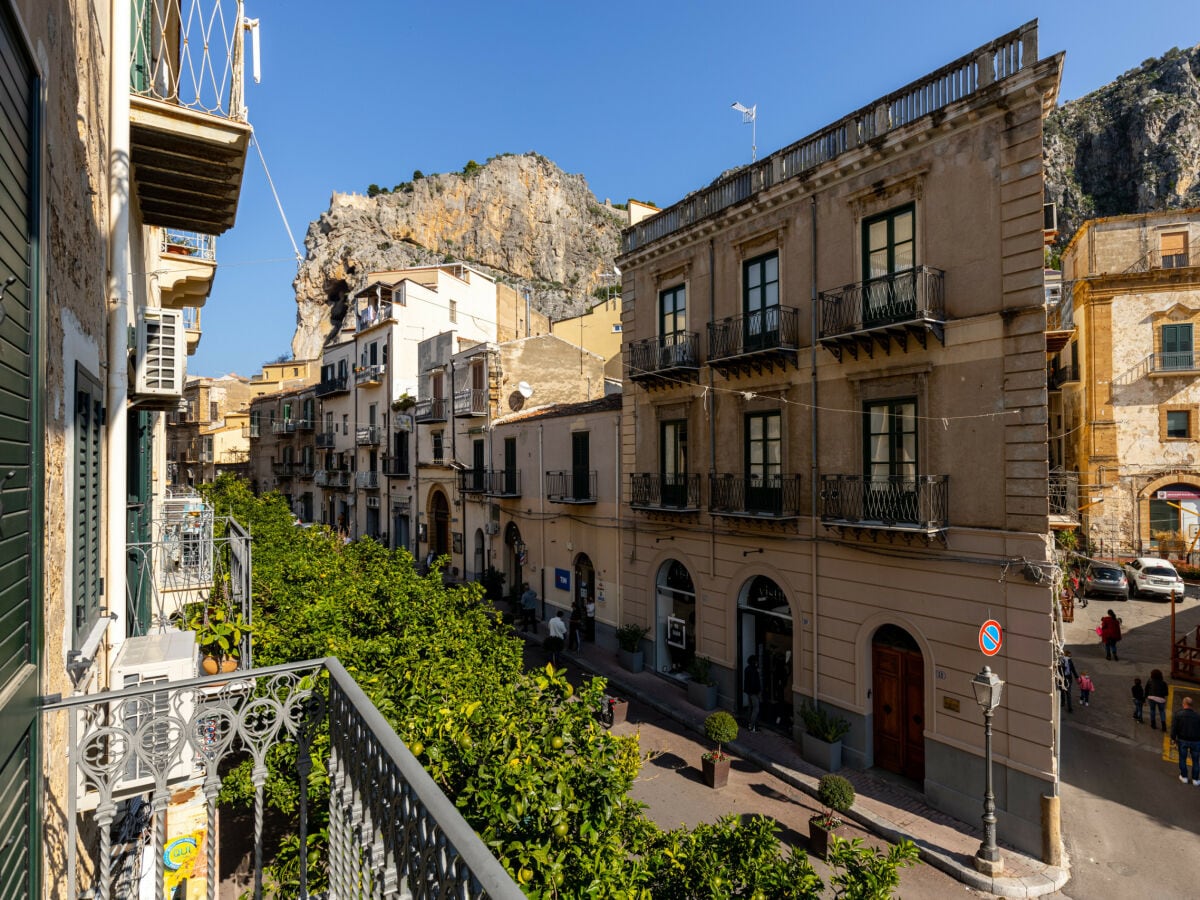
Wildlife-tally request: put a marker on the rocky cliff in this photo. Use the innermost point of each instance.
(1131, 146)
(519, 218)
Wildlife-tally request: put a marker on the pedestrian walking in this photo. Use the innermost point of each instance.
(1110, 634)
(1079, 596)
(1185, 732)
(528, 607)
(1156, 696)
(1139, 699)
(752, 688)
(1085, 688)
(576, 629)
(589, 619)
(558, 628)
(1067, 676)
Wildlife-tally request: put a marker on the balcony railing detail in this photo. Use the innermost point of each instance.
(675, 354)
(332, 386)
(911, 504)
(1156, 259)
(282, 469)
(768, 497)
(395, 468)
(370, 374)
(368, 481)
(191, 318)
(503, 483)
(571, 486)
(283, 426)
(189, 53)
(651, 490)
(1181, 362)
(1057, 376)
(912, 296)
(326, 440)
(950, 84)
(303, 470)
(774, 329)
(189, 243)
(471, 402)
(472, 481)
(331, 478)
(368, 435)
(389, 823)
(430, 410)
(1064, 495)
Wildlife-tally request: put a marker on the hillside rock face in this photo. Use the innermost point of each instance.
(518, 218)
(1132, 146)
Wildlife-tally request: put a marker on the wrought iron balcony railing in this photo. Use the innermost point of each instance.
(250, 431)
(331, 478)
(652, 357)
(471, 402)
(430, 410)
(910, 296)
(391, 829)
(503, 483)
(305, 424)
(1064, 495)
(472, 481)
(332, 386)
(651, 490)
(303, 470)
(326, 440)
(189, 243)
(776, 328)
(769, 497)
(571, 486)
(368, 435)
(368, 375)
(396, 468)
(1156, 259)
(1179, 362)
(1057, 376)
(282, 469)
(368, 481)
(907, 504)
(283, 426)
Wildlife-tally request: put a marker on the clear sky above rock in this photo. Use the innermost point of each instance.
(636, 96)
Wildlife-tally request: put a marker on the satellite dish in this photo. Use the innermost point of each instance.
(525, 390)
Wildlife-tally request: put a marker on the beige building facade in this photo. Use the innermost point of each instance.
(1127, 382)
(834, 431)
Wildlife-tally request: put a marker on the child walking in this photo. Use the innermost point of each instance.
(1139, 698)
(1085, 688)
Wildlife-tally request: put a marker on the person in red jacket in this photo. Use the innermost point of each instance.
(1110, 634)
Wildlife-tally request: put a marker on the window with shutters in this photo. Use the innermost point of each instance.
(1173, 249)
(89, 474)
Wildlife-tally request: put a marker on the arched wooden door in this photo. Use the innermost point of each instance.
(898, 691)
(439, 538)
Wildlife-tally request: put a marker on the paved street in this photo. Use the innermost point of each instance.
(1128, 823)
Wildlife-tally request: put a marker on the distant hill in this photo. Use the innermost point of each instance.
(519, 218)
(1131, 146)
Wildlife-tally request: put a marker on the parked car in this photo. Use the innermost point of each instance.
(1153, 576)
(1108, 580)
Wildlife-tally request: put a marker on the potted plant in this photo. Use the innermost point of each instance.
(837, 796)
(822, 741)
(721, 728)
(219, 636)
(629, 640)
(701, 688)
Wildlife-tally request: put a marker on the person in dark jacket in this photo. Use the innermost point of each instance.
(752, 688)
(1139, 699)
(1185, 732)
(1156, 696)
(1067, 675)
(1110, 634)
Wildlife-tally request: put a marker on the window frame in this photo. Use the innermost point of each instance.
(768, 469)
(676, 295)
(889, 216)
(894, 439)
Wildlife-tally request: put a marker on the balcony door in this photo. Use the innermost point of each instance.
(889, 257)
(764, 462)
(760, 302)
(581, 458)
(478, 464)
(510, 465)
(891, 460)
(672, 325)
(1177, 347)
(673, 462)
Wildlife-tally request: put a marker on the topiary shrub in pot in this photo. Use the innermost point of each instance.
(720, 728)
(629, 642)
(837, 796)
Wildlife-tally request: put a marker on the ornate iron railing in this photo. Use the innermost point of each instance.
(920, 503)
(392, 832)
(283, 426)
(651, 490)
(325, 440)
(774, 328)
(1057, 376)
(370, 374)
(1177, 361)
(283, 469)
(659, 354)
(332, 386)
(773, 496)
(472, 481)
(908, 296)
(502, 483)
(1064, 494)
(394, 467)
(189, 243)
(368, 435)
(368, 481)
(331, 478)
(189, 53)
(431, 410)
(954, 82)
(571, 486)
(471, 402)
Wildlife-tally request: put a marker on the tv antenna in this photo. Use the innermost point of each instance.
(749, 117)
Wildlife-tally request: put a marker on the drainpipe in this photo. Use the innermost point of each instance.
(712, 410)
(814, 469)
(120, 314)
(542, 516)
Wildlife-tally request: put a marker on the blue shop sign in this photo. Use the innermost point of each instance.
(562, 579)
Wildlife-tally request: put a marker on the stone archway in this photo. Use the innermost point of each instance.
(439, 523)
(766, 632)
(675, 615)
(514, 559)
(1169, 514)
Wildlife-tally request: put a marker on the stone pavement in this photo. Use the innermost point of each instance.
(886, 809)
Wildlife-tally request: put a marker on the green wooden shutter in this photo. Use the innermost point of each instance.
(89, 478)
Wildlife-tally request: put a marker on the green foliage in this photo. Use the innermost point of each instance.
(837, 796)
(630, 637)
(701, 670)
(471, 168)
(720, 727)
(417, 175)
(374, 190)
(493, 583)
(1066, 540)
(605, 290)
(822, 725)
(863, 873)
(218, 631)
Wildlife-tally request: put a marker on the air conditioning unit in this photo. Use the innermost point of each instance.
(491, 527)
(157, 721)
(372, 503)
(159, 364)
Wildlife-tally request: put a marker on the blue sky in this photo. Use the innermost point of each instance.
(635, 96)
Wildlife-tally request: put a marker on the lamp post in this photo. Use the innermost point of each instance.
(988, 687)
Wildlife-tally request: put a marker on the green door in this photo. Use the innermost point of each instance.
(139, 517)
(20, 487)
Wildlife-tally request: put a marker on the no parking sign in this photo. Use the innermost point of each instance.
(991, 637)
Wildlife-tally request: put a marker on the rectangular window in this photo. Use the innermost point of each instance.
(1178, 424)
(400, 448)
(1173, 248)
(616, 327)
(435, 386)
(760, 302)
(889, 248)
(673, 469)
(1176, 346)
(345, 423)
(454, 311)
(581, 459)
(672, 311)
(372, 413)
(436, 439)
(342, 368)
(510, 465)
(764, 461)
(88, 497)
(213, 412)
(890, 460)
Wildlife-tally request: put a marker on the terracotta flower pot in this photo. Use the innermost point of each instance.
(229, 664)
(210, 666)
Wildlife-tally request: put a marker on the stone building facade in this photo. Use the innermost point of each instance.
(834, 431)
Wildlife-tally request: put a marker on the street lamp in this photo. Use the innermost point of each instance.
(988, 687)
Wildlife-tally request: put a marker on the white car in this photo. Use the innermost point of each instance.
(1157, 577)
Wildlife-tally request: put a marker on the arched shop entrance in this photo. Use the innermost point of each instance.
(898, 697)
(1173, 519)
(439, 527)
(514, 560)
(675, 643)
(765, 621)
(585, 590)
